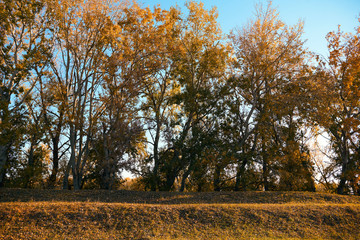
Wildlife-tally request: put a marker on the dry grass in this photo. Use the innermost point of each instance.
(28, 214)
(123, 196)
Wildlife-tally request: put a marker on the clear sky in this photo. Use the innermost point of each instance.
(320, 16)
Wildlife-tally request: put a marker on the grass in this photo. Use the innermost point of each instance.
(52, 214)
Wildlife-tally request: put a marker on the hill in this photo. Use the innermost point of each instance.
(58, 214)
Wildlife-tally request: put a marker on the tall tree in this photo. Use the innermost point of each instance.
(159, 34)
(23, 48)
(337, 101)
(200, 68)
(81, 29)
(132, 57)
(53, 117)
(179, 90)
(268, 58)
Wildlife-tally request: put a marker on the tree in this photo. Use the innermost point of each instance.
(34, 137)
(269, 57)
(337, 101)
(159, 30)
(199, 69)
(53, 117)
(188, 59)
(119, 134)
(23, 48)
(81, 30)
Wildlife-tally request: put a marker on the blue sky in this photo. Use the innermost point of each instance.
(320, 16)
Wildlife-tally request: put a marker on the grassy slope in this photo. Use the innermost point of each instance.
(144, 215)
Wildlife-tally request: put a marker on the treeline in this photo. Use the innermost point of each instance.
(92, 88)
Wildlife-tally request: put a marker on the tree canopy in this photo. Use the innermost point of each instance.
(90, 89)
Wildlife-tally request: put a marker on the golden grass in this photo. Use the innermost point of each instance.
(304, 216)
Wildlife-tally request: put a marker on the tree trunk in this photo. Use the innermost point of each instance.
(237, 180)
(199, 187)
(74, 165)
(3, 178)
(106, 176)
(170, 180)
(154, 181)
(184, 177)
(3, 160)
(77, 181)
(265, 171)
(5, 139)
(188, 171)
(55, 160)
(154, 176)
(174, 167)
(265, 175)
(345, 161)
(265, 167)
(217, 178)
(172, 171)
(341, 187)
(66, 176)
(30, 166)
(240, 178)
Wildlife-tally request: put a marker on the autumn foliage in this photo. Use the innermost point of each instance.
(90, 89)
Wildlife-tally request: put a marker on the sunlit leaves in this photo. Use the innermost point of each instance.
(340, 117)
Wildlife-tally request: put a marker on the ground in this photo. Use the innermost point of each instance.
(95, 214)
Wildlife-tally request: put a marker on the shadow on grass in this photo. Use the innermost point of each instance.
(124, 196)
